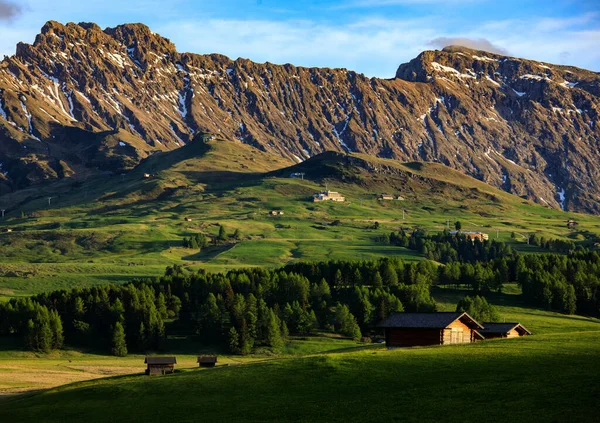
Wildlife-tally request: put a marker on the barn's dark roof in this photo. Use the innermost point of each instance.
(160, 360)
(426, 320)
(207, 359)
(502, 328)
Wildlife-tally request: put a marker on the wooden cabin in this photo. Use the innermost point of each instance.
(207, 360)
(504, 330)
(385, 197)
(418, 329)
(160, 365)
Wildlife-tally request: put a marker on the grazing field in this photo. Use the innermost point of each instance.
(23, 371)
(551, 376)
(115, 229)
(548, 377)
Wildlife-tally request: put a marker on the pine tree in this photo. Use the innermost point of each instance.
(119, 346)
(233, 340)
(389, 275)
(273, 332)
(222, 233)
(161, 306)
(338, 280)
(377, 281)
(44, 336)
(57, 330)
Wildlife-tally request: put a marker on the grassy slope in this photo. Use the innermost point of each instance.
(122, 227)
(23, 371)
(551, 376)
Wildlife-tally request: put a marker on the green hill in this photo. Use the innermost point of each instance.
(115, 228)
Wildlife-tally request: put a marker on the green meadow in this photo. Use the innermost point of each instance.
(115, 229)
(550, 376)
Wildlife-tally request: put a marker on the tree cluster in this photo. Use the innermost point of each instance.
(478, 308)
(243, 309)
(196, 242)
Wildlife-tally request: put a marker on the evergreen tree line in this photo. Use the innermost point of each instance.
(242, 309)
(112, 318)
(564, 283)
(445, 247)
(250, 308)
(40, 328)
(558, 245)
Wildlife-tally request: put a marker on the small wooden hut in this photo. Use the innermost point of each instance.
(160, 365)
(207, 360)
(419, 329)
(504, 330)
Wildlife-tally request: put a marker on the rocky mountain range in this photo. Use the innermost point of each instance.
(83, 100)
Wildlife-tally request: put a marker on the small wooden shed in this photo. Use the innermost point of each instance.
(504, 330)
(207, 360)
(160, 365)
(419, 329)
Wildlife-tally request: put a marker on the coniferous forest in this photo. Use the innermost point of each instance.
(250, 308)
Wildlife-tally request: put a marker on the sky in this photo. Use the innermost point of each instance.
(369, 36)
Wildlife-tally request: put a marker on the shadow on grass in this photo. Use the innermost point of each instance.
(209, 253)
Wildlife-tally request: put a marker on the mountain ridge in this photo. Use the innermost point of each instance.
(526, 127)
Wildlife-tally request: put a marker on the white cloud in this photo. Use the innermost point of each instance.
(371, 45)
(376, 46)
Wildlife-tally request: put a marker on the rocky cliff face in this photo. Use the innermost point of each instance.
(82, 99)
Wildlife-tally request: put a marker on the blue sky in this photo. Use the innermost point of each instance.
(369, 36)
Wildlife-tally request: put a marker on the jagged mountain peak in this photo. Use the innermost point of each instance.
(459, 63)
(527, 127)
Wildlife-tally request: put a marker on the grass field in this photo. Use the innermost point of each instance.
(551, 376)
(114, 229)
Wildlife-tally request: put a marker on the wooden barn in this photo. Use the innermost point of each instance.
(207, 360)
(160, 365)
(504, 330)
(418, 329)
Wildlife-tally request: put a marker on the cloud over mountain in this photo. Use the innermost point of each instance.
(476, 44)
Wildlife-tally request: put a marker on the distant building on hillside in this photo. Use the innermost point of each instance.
(299, 175)
(276, 213)
(472, 235)
(385, 197)
(207, 360)
(160, 365)
(419, 329)
(572, 224)
(504, 330)
(187, 219)
(328, 196)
